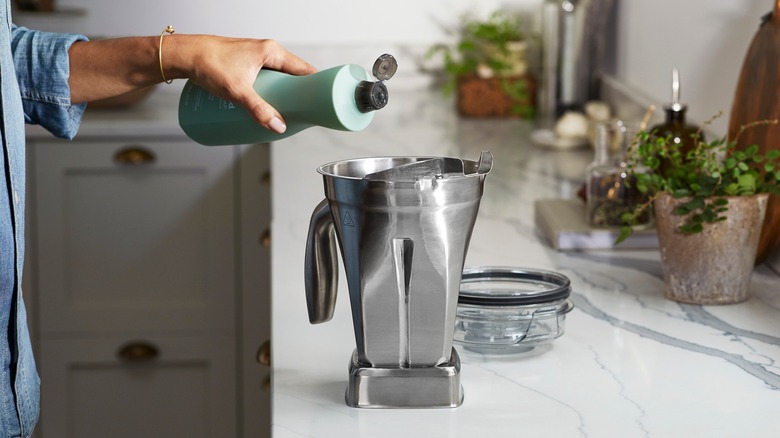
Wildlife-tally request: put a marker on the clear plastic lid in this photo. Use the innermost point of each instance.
(503, 286)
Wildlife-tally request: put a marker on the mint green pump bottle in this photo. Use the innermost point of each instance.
(342, 98)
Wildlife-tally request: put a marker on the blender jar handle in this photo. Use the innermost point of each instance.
(321, 265)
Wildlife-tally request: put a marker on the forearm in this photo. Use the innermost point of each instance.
(106, 68)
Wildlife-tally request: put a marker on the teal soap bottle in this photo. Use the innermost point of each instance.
(342, 98)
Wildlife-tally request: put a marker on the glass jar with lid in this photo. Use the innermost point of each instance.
(611, 189)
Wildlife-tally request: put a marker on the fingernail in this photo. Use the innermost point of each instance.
(277, 125)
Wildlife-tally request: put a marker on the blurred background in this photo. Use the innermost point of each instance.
(705, 39)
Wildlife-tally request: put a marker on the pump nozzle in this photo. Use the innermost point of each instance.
(371, 96)
(676, 105)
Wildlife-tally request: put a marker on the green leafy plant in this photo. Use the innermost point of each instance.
(485, 49)
(518, 90)
(703, 176)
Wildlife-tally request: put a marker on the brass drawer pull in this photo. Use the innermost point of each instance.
(264, 353)
(138, 351)
(265, 179)
(134, 156)
(265, 238)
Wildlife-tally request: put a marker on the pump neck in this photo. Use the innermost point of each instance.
(675, 113)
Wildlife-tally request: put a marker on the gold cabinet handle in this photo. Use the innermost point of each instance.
(265, 238)
(134, 156)
(264, 353)
(264, 358)
(138, 351)
(265, 178)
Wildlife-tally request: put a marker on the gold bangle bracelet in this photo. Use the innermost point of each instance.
(168, 30)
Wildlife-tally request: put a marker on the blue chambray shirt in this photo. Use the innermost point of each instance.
(34, 71)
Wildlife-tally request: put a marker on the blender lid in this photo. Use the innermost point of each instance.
(504, 286)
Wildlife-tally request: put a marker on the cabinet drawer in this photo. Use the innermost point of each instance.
(134, 236)
(187, 390)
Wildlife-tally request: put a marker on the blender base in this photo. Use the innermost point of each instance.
(415, 387)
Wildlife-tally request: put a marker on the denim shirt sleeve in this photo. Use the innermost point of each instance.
(42, 70)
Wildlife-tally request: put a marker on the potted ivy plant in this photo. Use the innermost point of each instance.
(488, 69)
(709, 204)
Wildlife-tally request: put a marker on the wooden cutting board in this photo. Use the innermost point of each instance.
(757, 97)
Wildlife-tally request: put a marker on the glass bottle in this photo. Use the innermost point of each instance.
(681, 133)
(610, 185)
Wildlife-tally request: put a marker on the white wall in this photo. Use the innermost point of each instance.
(705, 39)
(324, 32)
(292, 22)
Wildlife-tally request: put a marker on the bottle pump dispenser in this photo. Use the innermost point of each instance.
(682, 133)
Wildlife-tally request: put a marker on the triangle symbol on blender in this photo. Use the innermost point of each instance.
(348, 222)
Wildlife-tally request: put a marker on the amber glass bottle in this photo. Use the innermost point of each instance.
(675, 125)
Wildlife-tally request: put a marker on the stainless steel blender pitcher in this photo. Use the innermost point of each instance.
(403, 225)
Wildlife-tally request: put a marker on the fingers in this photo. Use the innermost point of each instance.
(297, 66)
(262, 112)
(281, 59)
(276, 58)
(230, 68)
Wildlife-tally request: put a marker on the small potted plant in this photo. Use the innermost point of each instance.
(709, 204)
(488, 68)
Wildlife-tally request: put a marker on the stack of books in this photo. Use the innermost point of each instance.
(562, 224)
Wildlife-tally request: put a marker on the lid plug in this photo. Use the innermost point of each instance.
(385, 67)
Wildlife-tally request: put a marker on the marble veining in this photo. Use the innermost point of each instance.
(697, 316)
(640, 415)
(630, 364)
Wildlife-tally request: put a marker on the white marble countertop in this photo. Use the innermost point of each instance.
(630, 364)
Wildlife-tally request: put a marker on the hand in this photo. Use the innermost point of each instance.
(227, 68)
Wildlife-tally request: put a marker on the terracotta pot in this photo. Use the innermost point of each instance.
(714, 266)
(478, 97)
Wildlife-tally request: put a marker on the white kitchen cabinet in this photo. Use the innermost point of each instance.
(124, 246)
(186, 390)
(159, 244)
